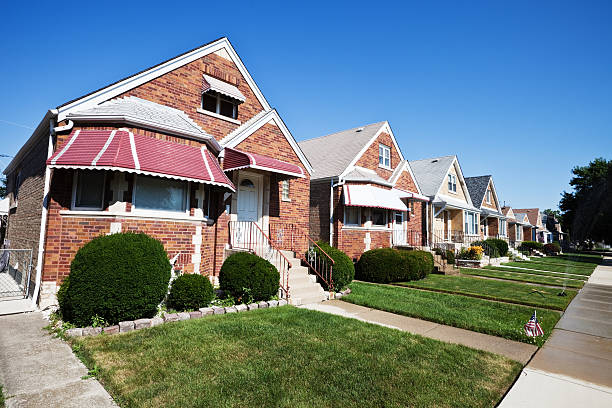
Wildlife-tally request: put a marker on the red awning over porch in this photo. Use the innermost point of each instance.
(237, 159)
(122, 150)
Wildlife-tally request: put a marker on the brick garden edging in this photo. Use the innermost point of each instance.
(131, 325)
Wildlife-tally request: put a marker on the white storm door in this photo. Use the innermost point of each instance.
(399, 235)
(248, 199)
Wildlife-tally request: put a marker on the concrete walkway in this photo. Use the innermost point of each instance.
(574, 368)
(38, 370)
(514, 350)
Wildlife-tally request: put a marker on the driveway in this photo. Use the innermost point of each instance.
(38, 370)
(574, 368)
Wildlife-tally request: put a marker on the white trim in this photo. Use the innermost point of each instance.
(385, 149)
(203, 151)
(371, 228)
(73, 206)
(134, 154)
(150, 216)
(406, 166)
(127, 84)
(66, 147)
(260, 122)
(459, 172)
(104, 148)
(218, 116)
(159, 213)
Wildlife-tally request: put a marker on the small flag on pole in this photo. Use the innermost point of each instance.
(533, 328)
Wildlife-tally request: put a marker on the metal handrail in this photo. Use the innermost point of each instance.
(303, 246)
(259, 243)
(412, 237)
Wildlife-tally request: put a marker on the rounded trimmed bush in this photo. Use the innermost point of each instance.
(450, 257)
(115, 277)
(343, 271)
(244, 273)
(416, 265)
(552, 248)
(379, 265)
(531, 245)
(189, 292)
(500, 244)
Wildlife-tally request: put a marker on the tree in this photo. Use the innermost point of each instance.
(2, 187)
(587, 211)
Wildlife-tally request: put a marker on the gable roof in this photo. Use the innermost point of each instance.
(137, 111)
(330, 155)
(522, 218)
(430, 173)
(362, 174)
(477, 187)
(401, 167)
(507, 211)
(532, 214)
(119, 87)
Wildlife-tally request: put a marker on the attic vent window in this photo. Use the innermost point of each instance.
(214, 102)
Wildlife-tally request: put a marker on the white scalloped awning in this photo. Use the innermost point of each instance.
(214, 84)
(361, 195)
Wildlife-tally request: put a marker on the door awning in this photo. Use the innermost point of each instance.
(409, 194)
(122, 150)
(213, 84)
(237, 159)
(362, 195)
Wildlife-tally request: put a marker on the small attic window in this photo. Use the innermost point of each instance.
(215, 102)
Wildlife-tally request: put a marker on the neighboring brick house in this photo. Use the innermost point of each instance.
(363, 194)
(484, 196)
(188, 151)
(538, 229)
(452, 220)
(518, 226)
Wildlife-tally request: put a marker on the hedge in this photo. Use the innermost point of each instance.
(500, 244)
(385, 265)
(531, 245)
(247, 277)
(115, 277)
(343, 271)
(190, 292)
(552, 248)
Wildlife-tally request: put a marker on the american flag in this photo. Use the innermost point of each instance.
(532, 327)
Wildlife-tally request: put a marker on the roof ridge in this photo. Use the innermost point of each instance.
(431, 158)
(341, 131)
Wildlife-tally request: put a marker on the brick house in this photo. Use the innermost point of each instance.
(484, 196)
(363, 194)
(519, 228)
(452, 220)
(188, 151)
(538, 228)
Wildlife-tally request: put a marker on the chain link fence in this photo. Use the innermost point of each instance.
(15, 273)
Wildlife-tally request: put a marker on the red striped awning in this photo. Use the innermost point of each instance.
(122, 150)
(237, 159)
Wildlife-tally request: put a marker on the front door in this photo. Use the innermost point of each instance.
(399, 234)
(245, 234)
(248, 199)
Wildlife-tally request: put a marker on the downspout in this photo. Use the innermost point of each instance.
(331, 209)
(427, 224)
(45, 207)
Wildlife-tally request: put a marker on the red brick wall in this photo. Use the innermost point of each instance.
(319, 209)
(369, 159)
(182, 89)
(416, 219)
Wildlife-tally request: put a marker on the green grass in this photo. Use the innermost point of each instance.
(523, 277)
(537, 272)
(585, 262)
(289, 357)
(499, 319)
(496, 290)
(552, 268)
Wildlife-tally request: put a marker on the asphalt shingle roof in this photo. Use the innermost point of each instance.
(365, 175)
(532, 214)
(430, 173)
(477, 187)
(141, 109)
(330, 155)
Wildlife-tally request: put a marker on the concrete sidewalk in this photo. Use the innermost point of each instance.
(38, 370)
(574, 368)
(514, 350)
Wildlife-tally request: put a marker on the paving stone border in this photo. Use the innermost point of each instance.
(131, 325)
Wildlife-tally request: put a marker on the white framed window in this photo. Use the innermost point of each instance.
(379, 217)
(285, 186)
(470, 223)
(160, 194)
(519, 233)
(452, 183)
(88, 190)
(488, 196)
(384, 156)
(502, 228)
(352, 216)
(219, 104)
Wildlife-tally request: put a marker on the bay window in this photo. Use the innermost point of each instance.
(379, 217)
(160, 194)
(471, 223)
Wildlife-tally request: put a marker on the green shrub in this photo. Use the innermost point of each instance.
(473, 253)
(385, 265)
(450, 257)
(551, 249)
(531, 245)
(115, 277)
(500, 244)
(440, 252)
(245, 274)
(416, 265)
(343, 271)
(381, 265)
(190, 292)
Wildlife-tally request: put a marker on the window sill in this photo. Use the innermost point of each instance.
(135, 214)
(385, 167)
(216, 115)
(287, 200)
(358, 228)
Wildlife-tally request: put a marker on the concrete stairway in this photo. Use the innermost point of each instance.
(517, 254)
(303, 287)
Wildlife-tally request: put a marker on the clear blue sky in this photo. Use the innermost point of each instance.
(520, 90)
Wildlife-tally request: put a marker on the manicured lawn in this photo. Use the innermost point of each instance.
(496, 290)
(498, 319)
(584, 262)
(523, 277)
(289, 357)
(538, 272)
(553, 268)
